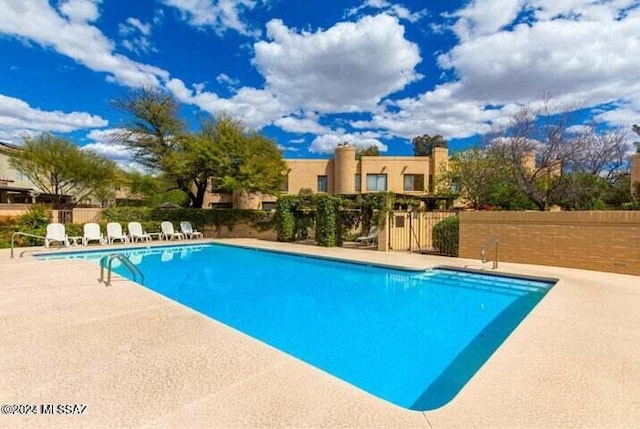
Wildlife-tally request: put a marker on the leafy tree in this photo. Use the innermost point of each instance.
(481, 181)
(152, 190)
(62, 170)
(155, 130)
(580, 191)
(244, 162)
(539, 146)
(423, 145)
(221, 151)
(618, 192)
(372, 150)
(159, 141)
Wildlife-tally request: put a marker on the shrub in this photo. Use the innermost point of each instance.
(446, 236)
(199, 218)
(284, 220)
(35, 222)
(326, 212)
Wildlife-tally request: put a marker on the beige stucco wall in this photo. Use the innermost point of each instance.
(395, 167)
(303, 174)
(8, 172)
(599, 240)
(345, 167)
(341, 173)
(635, 169)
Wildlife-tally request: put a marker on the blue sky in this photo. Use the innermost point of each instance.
(312, 74)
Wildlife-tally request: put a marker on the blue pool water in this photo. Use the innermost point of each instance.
(413, 338)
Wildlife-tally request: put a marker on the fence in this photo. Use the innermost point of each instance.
(596, 240)
(77, 216)
(413, 231)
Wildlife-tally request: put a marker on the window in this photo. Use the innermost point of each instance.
(284, 185)
(221, 205)
(268, 206)
(358, 183)
(414, 182)
(322, 183)
(376, 182)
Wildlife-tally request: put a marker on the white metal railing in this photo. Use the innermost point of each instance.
(26, 234)
(483, 252)
(127, 263)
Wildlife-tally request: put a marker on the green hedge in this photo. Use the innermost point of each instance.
(36, 220)
(285, 222)
(446, 236)
(198, 217)
(326, 212)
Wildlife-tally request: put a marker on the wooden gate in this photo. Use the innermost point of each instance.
(413, 231)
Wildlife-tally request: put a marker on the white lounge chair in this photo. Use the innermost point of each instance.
(56, 233)
(188, 231)
(370, 238)
(168, 233)
(92, 233)
(114, 232)
(136, 233)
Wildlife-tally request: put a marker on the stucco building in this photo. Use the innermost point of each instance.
(635, 169)
(345, 175)
(15, 188)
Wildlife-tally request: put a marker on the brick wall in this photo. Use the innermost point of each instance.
(599, 240)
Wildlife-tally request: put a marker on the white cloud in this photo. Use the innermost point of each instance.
(481, 17)
(144, 29)
(327, 143)
(219, 15)
(135, 36)
(114, 152)
(389, 8)
(254, 107)
(80, 10)
(103, 144)
(582, 52)
(330, 71)
(38, 21)
(225, 79)
(300, 125)
(18, 118)
(340, 69)
(523, 64)
(622, 114)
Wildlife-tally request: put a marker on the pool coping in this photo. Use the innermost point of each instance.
(553, 349)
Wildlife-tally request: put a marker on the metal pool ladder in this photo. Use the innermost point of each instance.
(108, 261)
(483, 252)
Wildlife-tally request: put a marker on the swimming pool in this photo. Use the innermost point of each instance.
(413, 338)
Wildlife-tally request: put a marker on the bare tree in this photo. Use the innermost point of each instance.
(541, 145)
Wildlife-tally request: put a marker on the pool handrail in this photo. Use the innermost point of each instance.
(127, 263)
(483, 252)
(26, 234)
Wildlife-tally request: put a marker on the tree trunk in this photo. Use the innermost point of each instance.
(201, 190)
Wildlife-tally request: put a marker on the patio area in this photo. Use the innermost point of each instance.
(136, 358)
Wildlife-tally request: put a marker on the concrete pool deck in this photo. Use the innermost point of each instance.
(137, 359)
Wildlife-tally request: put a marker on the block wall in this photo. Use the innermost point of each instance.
(598, 240)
